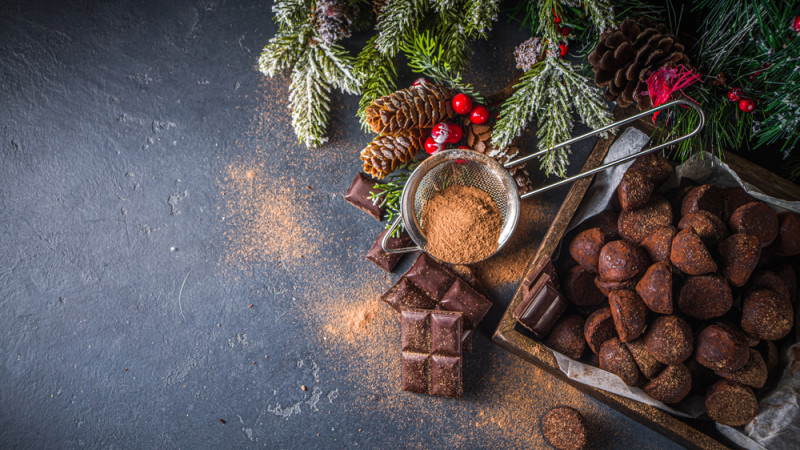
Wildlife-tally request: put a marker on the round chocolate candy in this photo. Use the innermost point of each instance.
(565, 428)
(671, 385)
(767, 314)
(669, 339)
(621, 260)
(731, 403)
(722, 348)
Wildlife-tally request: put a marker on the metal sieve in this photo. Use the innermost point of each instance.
(470, 168)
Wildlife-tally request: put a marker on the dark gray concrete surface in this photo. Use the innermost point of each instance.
(120, 326)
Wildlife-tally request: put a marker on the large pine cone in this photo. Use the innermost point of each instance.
(386, 153)
(624, 58)
(333, 20)
(421, 106)
(479, 139)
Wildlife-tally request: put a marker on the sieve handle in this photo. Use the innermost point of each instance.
(568, 180)
(388, 234)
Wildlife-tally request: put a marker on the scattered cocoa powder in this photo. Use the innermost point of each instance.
(462, 224)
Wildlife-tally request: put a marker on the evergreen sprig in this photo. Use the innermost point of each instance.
(479, 16)
(387, 195)
(397, 19)
(379, 74)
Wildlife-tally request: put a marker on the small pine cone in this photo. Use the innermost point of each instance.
(386, 153)
(421, 106)
(529, 53)
(479, 139)
(333, 20)
(624, 58)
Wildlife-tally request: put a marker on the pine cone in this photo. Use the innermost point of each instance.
(529, 53)
(479, 139)
(332, 20)
(421, 106)
(386, 153)
(624, 58)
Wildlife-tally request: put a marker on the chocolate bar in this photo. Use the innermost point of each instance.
(384, 260)
(358, 195)
(433, 278)
(541, 308)
(461, 297)
(431, 352)
(544, 265)
(405, 294)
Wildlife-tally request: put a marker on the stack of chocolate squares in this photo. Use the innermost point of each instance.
(542, 303)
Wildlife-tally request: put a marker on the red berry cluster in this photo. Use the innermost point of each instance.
(796, 24)
(445, 133)
(565, 31)
(745, 104)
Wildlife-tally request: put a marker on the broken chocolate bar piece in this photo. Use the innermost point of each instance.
(358, 195)
(431, 352)
(384, 260)
(461, 297)
(405, 294)
(541, 308)
(544, 265)
(430, 276)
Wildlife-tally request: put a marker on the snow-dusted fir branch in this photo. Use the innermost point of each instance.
(586, 98)
(520, 108)
(479, 16)
(283, 50)
(546, 26)
(601, 13)
(379, 75)
(397, 18)
(292, 13)
(309, 98)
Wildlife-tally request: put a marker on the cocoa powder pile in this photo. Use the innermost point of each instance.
(462, 224)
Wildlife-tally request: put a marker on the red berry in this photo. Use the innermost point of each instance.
(563, 49)
(431, 146)
(463, 147)
(565, 31)
(462, 104)
(796, 24)
(747, 105)
(419, 81)
(735, 94)
(555, 16)
(454, 133)
(440, 133)
(479, 115)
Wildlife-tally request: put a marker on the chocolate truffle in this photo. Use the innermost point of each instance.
(585, 247)
(705, 197)
(645, 361)
(705, 297)
(659, 244)
(580, 288)
(615, 358)
(753, 374)
(630, 314)
(669, 339)
(567, 336)
(670, 386)
(621, 260)
(565, 428)
(788, 241)
(767, 314)
(739, 255)
(709, 227)
(606, 286)
(732, 199)
(690, 255)
(731, 403)
(599, 328)
(755, 218)
(606, 221)
(771, 280)
(655, 288)
(634, 190)
(654, 166)
(636, 224)
(722, 348)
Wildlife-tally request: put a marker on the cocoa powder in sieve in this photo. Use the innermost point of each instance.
(462, 224)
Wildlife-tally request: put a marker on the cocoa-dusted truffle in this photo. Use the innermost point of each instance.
(705, 197)
(705, 297)
(630, 314)
(636, 224)
(565, 428)
(739, 255)
(690, 255)
(585, 247)
(669, 339)
(771, 280)
(606, 221)
(621, 260)
(753, 374)
(758, 219)
(709, 227)
(654, 166)
(580, 288)
(722, 348)
(655, 288)
(606, 286)
(731, 403)
(645, 361)
(788, 241)
(767, 314)
(615, 358)
(787, 273)
(670, 386)
(732, 199)
(634, 190)
(599, 328)
(567, 336)
(659, 244)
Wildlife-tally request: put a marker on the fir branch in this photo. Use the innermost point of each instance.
(336, 65)
(292, 13)
(520, 108)
(455, 45)
(479, 16)
(398, 18)
(546, 25)
(283, 50)
(309, 99)
(601, 12)
(379, 75)
(586, 98)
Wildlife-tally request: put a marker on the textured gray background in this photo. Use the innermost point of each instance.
(118, 121)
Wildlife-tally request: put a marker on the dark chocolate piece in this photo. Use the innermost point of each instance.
(431, 346)
(731, 403)
(405, 295)
(430, 276)
(358, 195)
(544, 265)
(462, 298)
(384, 260)
(541, 308)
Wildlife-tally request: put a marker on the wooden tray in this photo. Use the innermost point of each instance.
(691, 433)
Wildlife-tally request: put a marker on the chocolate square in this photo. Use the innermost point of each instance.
(358, 195)
(430, 276)
(541, 308)
(405, 295)
(544, 265)
(431, 352)
(461, 297)
(384, 260)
